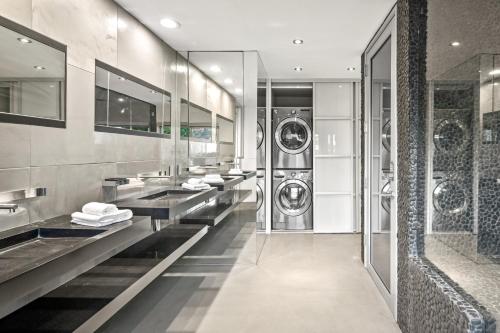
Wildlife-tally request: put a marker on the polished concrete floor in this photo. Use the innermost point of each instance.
(302, 283)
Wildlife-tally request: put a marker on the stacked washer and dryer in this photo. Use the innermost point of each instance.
(292, 158)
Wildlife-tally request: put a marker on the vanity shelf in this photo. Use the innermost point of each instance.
(216, 210)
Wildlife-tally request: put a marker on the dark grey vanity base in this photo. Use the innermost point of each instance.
(37, 258)
(89, 300)
(165, 202)
(215, 211)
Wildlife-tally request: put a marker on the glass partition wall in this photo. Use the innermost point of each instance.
(215, 95)
(463, 146)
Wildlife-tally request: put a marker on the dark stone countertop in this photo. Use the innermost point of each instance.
(164, 207)
(23, 249)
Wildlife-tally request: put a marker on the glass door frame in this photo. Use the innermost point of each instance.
(386, 31)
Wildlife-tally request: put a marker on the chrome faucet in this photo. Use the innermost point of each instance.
(10, 206)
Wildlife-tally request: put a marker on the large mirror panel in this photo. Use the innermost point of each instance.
(126, 103)
(32, 77)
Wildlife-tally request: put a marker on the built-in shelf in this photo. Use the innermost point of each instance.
(216, 210)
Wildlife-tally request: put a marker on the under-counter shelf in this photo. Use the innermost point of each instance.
(216, 210)
(84, 303)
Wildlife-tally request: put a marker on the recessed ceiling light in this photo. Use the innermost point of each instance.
(153, 92)
(351, 69)
(122, 111)
(455, 44)
(238, 90)
(121, 78)
(228, 81)
(215, 69)
(495, 84)
(298, 69)
(24, 40)
(121, 99)
(170, 23)
(51, 86)
(38, 67)
(340, 86)
(298, 41)
(495, 72)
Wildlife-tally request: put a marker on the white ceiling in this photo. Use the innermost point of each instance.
(335, 31)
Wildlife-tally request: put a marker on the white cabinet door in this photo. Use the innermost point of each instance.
(333, 100)
(334, 169)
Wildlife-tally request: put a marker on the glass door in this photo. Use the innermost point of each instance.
(381, 235)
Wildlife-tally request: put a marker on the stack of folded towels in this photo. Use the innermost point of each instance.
(235, 171)
(98, 214)
(195, 184)
(213, 179)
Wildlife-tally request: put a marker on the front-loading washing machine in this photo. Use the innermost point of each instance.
(261, 138)
(451, 203)
(261, 202)
(292, 128)
(292, 200)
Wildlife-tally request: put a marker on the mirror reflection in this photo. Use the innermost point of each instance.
(122, 102)
(32, 77)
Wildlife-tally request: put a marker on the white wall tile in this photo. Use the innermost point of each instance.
(88, 27)
(15, 146)
(73, 144)
(18, 11)
(140, 52)
(214, 97)
(14, 179)
(197, 87)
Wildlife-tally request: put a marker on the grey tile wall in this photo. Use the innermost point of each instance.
(72, 162)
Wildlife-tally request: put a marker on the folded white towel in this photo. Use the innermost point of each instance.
(195, 181)
(212, 175)
(235, 172)
(213, 180)
(99, 208)
(103, 220)
(195, 187)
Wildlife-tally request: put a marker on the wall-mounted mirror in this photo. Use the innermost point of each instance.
(125, 104)
(200, 124)
(32, 77)
(225, 130)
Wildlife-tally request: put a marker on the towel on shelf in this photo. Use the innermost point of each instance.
(195, 181)
(99, 208)
(212, 175)
(101, 220)
(213, 180)
(235, 172)
(192, 187)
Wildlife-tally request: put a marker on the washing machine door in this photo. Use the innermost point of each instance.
(450, 198)
(293, 197)
(386, 135)
(450, 136)
(293, 135)
(260, 196)
(260, 135)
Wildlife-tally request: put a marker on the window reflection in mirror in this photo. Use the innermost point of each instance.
(225, 130)
(32, 77)
(126, 103)
(199, 121)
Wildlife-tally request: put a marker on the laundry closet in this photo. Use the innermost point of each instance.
(308, 136)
